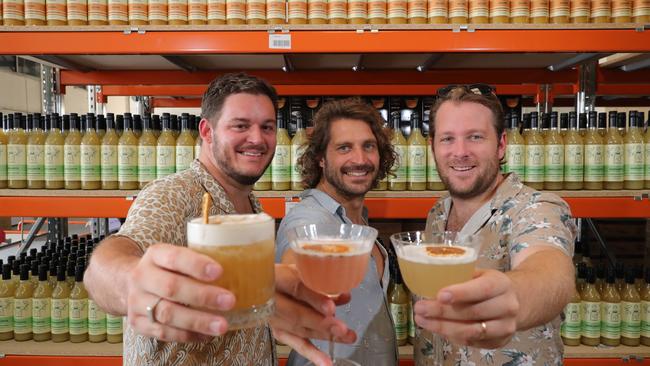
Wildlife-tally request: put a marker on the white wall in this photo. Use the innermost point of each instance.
(19, 93)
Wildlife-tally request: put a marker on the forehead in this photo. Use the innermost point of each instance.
(460, 116)
(248, 106)
(350, 130)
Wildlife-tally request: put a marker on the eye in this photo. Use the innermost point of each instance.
(269, 127)
(370, 146)
(446, 139)
(343, 148)
(240, 126)
(476, 137)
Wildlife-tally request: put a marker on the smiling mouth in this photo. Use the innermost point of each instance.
(462, 168)
(357, 173)
(255, 154)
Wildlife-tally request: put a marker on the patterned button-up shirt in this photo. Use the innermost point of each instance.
(517, 217)
(160, 214)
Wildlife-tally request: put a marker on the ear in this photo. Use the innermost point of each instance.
(205, 130)
(321, 162)
(501, 147)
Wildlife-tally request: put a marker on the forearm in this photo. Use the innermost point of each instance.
(106, 278)
(544, 284)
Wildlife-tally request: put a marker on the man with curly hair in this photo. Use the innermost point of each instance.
(347, 154)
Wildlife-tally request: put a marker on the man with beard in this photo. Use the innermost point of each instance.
(147, 273)
(509, 313)
(347, 154)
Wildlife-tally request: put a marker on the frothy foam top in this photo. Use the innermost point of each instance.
(231, 230)
(331, 248)
(437, 254)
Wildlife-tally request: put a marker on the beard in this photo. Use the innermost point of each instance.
(335, 178)
(481, 184)
(226, 165)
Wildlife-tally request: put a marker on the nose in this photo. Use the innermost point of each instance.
(254, 135)
(359, 155)
(459, 148)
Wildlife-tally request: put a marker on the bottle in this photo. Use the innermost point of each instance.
(138, 12)
(573, 156)
(564, 123)
(98, 13)
(631, 312)
(590, 311)
(184, 145)
(594, 154)
(54, 155)
(400, 167)
(77, 12)
(60, 308)
(417, 157)
(621, 11)
(337, 11)
(13, 12)
(377, 11)
(646, 144)
(515, 148)
(519, 11)
(96, 322)
(634, 154)
(72, 155)
(397, 11)
(197, 145)
(645, 310)
(398, 302)
(611, 312)
(177, 12)
(641, 11)
(479, 11)
(109, 155)
(317, 11)
(534, 158)
(146, 154)
(255, 11)
(7, 292)
(298, 144)
(579, 11)
(281, 164)
(56, 12)
(458, 11)
(90, 156)
(41, 307)
(157, 12)
(614, 155)
(23, 306)
(127, 157)
(36, 155)
(570, 328)
(560, 11)
(416, 11)
(235, 12)
(113, 328)
(52, 277)
(619, 272)
(277, 14)
(165, 149)
(554, 156)
(539, 11)
(600, 278)
(216, 12)
(78, 308)
(16, 153)
(602, 124)
(434, 183)
(3, 156)
(499, 11)
(601, 11)
(118, 12)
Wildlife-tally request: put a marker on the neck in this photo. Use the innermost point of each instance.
(353, 205)
(465, 207)
(237, 193)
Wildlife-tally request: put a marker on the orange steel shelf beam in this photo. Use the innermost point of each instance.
(332, 41)
(379, 208)
(620, 89)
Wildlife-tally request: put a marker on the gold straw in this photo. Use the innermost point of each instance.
(207, 202)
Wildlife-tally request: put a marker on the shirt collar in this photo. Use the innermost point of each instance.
(330, 204)
(219, 197)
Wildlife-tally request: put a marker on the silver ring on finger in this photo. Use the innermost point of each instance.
(151, 310)
(483, 333)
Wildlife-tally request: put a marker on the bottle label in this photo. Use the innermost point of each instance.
(399, 313)
(90, 163)
(97, 10)
(641, 8)
(266, 177)
(53, 163)
(22, 316)
(417, 8)
(72, 162)
(400, 165)
(138, 10)
(197, 150)
(600, 8)
(236, 9)
(6, 314)
(417, 163)
(572, 321)
(534, 163)
(281, 164)
(317, 9)
(197, 10)
(56, 10)
(560, 8)
(337, 9)
(357, 9)
(60, 316)
(634, 163)
(646, 160)
(499, 8)
(614, 163)
(77, 10)
(256, 9)
(127, 163)
(411, 320)
(539, 9)
(296, 152)
(35, 9)
(645, 319)
(177, 10)
(519, 8)
(432, 170)
(78, 316)
(3, 162)
(96, 319)
(478, 8)
(41, 312)
(35, 162)
(217, 10)
(438, 8)
(113, 324)
(146, 163)
(580, 8)
(118, 10)
(631, 319)
(573, 163)
(276, 9)
(377, 9)
(184, 157)
(515, 159)
(594, 163)
(553, 163)
(590, 312)
(458, 9)
(16, 162)
(621, 8)
(397, 9)
(109, 163)
(158, 10)
(165, 160)
(611, 324)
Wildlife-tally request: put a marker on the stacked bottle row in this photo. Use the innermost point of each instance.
(234, 12)
(400, 303)
(52, 152)
(592, 151)
(42, 297)
(610, 307)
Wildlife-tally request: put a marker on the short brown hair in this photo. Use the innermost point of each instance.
(351, 108)
(230, 84)
(463, 94)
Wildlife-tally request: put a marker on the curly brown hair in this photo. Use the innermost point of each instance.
(350, 108)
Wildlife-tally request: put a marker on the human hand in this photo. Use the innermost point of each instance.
(480, 313)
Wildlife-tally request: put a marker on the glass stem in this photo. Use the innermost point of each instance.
(331, 348)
